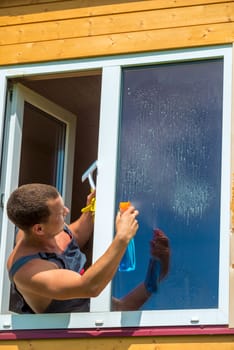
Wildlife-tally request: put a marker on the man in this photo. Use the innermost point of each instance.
(46, 266)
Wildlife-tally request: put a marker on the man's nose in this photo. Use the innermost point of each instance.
(66, 211)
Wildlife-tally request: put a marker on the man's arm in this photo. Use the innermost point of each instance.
(82, 228)
(41, 278)
(133, 300)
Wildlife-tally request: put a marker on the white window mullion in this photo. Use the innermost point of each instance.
(106, 179)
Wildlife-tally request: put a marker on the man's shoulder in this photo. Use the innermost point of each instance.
(17, 253)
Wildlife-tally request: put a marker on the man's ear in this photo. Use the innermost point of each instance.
(37, 229)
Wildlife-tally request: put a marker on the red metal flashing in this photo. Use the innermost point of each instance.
(115, 332)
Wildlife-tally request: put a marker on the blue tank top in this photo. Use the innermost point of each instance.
(71, 259)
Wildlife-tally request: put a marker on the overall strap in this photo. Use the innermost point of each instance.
(67, 230)
(20, 262)
(47, 256)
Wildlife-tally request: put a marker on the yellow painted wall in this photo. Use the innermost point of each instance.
(40, 30)
(129, 343)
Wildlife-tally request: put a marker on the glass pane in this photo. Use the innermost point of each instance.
(169, 167)
(43, 147)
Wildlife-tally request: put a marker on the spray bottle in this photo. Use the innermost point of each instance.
(128, 262)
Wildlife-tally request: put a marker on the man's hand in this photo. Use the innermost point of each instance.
(127, 224)
(90, 197)
(160, 249)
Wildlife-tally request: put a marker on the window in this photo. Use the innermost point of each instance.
(163, 143)
(170, 166)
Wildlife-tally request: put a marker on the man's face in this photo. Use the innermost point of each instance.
(56, 220)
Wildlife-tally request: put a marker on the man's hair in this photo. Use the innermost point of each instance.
(28, 204)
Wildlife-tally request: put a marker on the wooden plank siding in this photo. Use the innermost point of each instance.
(55, 10)
(37, 31)
(117, 23)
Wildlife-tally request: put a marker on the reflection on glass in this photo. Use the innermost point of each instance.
(169, 167)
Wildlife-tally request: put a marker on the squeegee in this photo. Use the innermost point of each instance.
(88, 174)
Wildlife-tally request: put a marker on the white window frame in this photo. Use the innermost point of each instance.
(106, 181)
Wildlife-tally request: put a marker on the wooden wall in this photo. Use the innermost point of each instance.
(40, 30)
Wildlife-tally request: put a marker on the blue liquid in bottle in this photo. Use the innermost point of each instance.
(128, 262)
